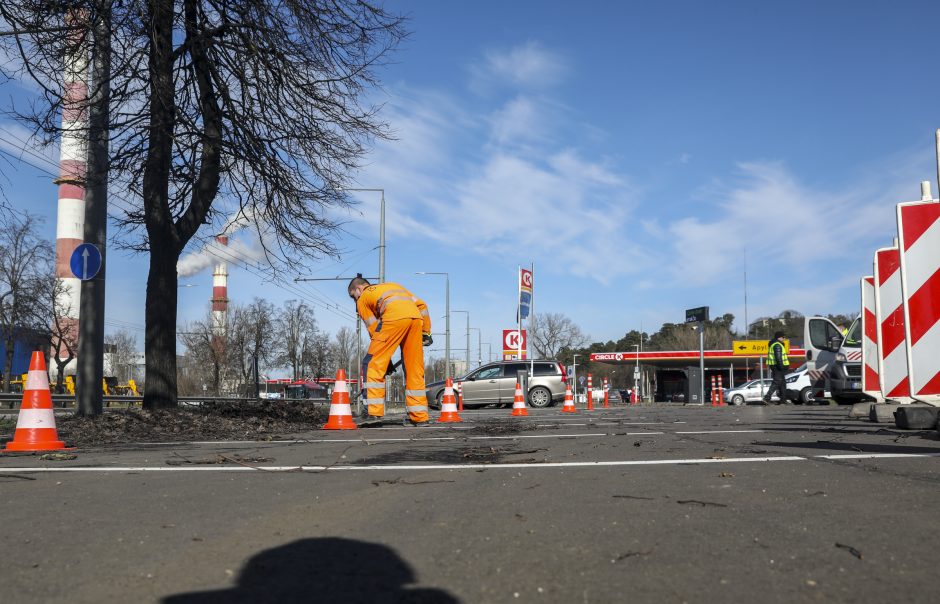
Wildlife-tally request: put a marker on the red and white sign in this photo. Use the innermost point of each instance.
(512, 343)
(871, 384)
(889, 309)
(919, 243)
(525, 277)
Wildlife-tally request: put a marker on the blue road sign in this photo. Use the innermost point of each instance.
(581, 379)
(85, 261)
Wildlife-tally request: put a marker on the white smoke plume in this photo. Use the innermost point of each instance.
(214, 253)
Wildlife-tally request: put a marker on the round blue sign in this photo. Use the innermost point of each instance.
(85, 261)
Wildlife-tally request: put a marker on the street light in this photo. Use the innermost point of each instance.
(468, 335)
(574, 373)
(446, 319)
(636, 373)
(479, 345)
(381, 229)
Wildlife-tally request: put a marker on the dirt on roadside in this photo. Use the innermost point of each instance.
(263, 420)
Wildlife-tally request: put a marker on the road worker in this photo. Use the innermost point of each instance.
(395, 319)
(778, 363)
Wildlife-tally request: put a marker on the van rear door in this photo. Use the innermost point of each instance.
(821, 339)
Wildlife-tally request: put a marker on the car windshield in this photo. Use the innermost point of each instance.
(853, 337)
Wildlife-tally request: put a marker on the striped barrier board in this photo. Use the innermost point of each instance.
(889, 308)
(919, 244)
(871, 383)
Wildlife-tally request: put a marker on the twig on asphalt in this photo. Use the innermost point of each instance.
(17, 476)
(631, 555)
(400, 481)
(631, 497)
(702, 503)
(850, 549)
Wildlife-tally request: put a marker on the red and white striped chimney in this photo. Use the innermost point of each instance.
(220, 293)
(70, 223)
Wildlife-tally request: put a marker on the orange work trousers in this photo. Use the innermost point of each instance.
(406, 335)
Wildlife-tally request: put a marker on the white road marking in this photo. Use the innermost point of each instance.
(719, 432)
(470, 466)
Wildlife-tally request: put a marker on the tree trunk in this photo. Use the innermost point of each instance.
(60, 378)
(160, 338)
(8, 364)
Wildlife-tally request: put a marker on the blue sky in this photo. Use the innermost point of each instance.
(635, 153)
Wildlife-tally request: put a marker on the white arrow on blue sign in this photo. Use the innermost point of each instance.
(85, 261)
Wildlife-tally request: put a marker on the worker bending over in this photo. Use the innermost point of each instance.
(395, 318)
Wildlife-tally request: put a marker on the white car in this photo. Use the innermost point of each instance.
(800, 388)
(747, 392)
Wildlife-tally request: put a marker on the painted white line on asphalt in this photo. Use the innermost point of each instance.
(719, 432)
(472, 466)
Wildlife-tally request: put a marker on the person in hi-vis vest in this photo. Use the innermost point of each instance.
(395, 318)
(778, 363)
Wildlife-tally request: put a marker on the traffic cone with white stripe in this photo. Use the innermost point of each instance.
(448, 404)
(340, 411)
(518, 402)
(569, 401)
(35, 426)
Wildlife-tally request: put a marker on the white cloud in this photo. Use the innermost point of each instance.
(529, 65)
(777, 222)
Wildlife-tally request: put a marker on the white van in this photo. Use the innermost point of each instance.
(834, 361)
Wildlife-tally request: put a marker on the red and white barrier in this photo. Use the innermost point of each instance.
(919, 244)
(871, 382)
(889, 309)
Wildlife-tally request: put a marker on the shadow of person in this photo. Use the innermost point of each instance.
(322, 571)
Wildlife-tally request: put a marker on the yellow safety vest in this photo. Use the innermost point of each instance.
(771, 361)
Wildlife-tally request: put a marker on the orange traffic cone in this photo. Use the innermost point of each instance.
(340, 412)
(518, 403)
(35, 426)
(448, 405)
(569, 402)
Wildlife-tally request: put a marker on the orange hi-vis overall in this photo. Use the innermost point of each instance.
(395, 318)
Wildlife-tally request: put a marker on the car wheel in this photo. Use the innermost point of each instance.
(807, 395)
(737, 399)
(540, 397)
(438, 399)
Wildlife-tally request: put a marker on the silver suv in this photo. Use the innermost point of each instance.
(495, 383)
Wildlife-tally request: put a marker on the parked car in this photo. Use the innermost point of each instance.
(747, 392)
(801, 389)
(495, 383)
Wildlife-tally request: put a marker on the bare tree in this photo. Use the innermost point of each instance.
(318, 355)
(296, 330)
(207, 349)
(63, 336)
(259, 103)
(344, 350)
(550, 333)
(251, 336)
(122, 346)
(25, 263)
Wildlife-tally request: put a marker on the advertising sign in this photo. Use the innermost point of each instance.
(512, 342)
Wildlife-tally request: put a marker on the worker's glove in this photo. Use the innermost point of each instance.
(426, 339)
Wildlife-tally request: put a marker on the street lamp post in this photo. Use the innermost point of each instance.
(479, 345)
(574, 373)
(636, 374)
(381, 229)
(468, 335)
(446, 319)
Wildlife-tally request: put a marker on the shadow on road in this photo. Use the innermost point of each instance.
(849, 447)
(322, 571)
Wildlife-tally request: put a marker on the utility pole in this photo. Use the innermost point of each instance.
(91, 318)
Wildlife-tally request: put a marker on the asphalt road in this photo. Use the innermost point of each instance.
(646, 504)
